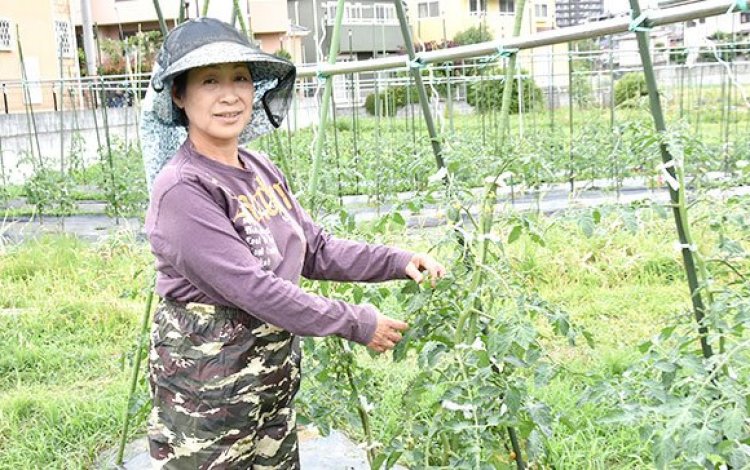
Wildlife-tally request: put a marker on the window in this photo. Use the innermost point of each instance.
(352, 13)
(6, 39)
(430, 9)
(507, 6)
(477, 7)
(541, 10)
(744, 17)
(64, 41)
(385, 13)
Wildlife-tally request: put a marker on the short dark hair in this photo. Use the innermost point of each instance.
(179, 85)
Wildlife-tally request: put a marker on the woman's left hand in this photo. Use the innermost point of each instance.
(424, 262)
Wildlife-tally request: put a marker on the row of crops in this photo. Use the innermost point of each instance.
(382, 155)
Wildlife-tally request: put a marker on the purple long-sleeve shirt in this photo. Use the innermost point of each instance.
(238, 237)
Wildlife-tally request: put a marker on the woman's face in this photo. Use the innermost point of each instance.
(218, 102)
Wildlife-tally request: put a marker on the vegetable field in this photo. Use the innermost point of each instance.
(570, 332)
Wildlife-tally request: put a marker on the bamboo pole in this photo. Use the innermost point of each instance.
(415, 69)
(181, 17)
(336, 152)
(323, 120)
(238, 14)
(110, 160)
(4, 193)
(30, 116)
(676, 195)
(571, 170)
(448, 76)
(62, 116)
(657, 17)
(134, 375)
(160, 16)
(205, 7)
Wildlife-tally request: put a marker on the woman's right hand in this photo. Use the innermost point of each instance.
(387, 333)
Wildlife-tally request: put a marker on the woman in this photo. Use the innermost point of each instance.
(231, 243)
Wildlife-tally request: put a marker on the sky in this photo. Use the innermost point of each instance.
(620, 6)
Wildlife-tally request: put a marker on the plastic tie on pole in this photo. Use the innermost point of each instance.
(670, 180)
(639, 24)
(321, 76)
(500, 52)
(739, 5)
(681, 246)
(416, 63)
(505, 52)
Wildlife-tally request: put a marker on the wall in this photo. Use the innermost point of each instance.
(36, 27)
(16, 145)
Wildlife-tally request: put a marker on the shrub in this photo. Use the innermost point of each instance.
(583, 93)
(391, 99)
(122, 180)
(488, 94)
(631, 85)
(678, 55)
(50, 189)
(283, 53)
(472, 35)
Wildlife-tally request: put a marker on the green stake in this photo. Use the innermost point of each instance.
(323, 120)
(415, 69)
(30, 116)
(676, 195)
(162, 23)
(134, 375)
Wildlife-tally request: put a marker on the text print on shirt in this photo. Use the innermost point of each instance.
(256, 211)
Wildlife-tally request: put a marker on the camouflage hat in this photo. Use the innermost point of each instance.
(198, 43)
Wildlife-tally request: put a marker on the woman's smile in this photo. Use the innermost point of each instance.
(228, 117)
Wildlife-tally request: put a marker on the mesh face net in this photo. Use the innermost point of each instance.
(276, 101)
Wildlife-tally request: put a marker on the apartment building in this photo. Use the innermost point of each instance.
(575, 12)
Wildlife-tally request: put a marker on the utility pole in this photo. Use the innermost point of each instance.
(88, 37)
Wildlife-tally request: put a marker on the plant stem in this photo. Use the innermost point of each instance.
(363, 416)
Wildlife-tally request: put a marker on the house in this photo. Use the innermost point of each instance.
(45, 32)
(119, 19)
(440, 20)
(368, 29)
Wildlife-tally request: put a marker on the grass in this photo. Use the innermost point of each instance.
(67, 327)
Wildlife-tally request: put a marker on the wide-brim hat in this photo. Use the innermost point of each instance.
(198, 43)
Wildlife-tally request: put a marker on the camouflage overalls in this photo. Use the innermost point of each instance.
(222, 383)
